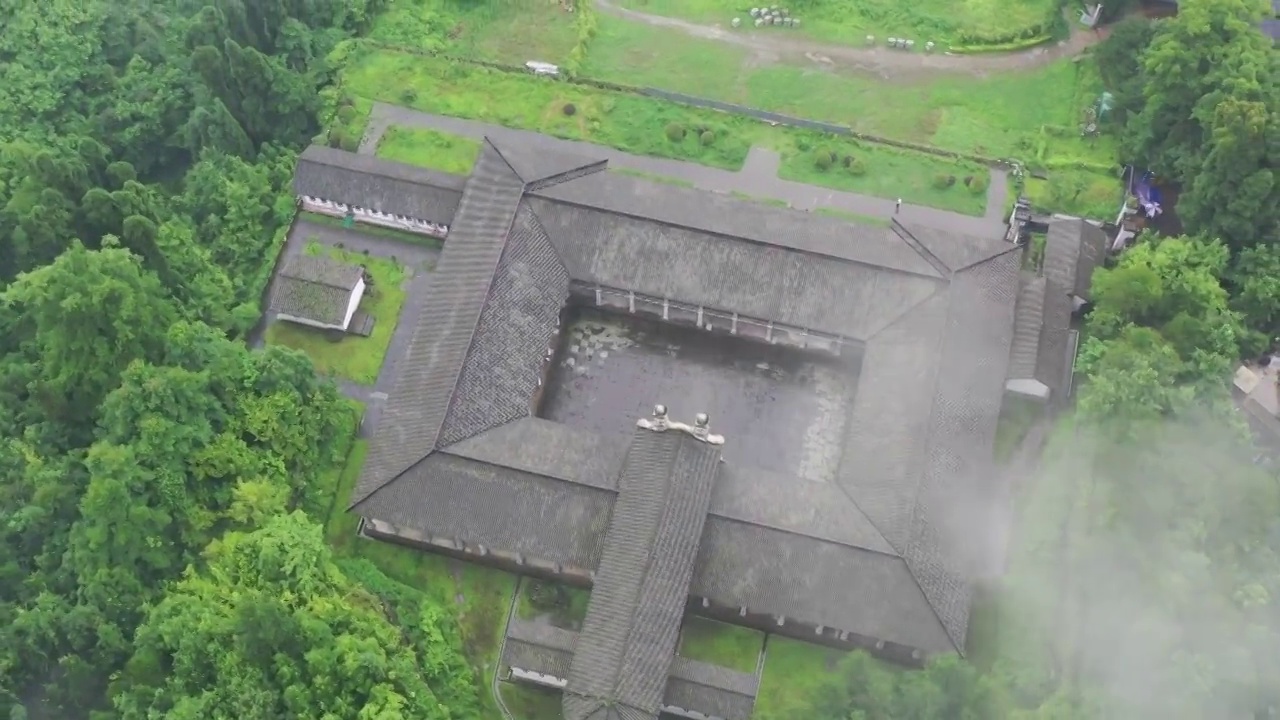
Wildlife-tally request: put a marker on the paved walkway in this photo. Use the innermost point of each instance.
(417, 260)
(758, 178)
(779, 45)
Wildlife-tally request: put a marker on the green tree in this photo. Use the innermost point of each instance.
(294, 637)
(1208, 118)
(84, 318)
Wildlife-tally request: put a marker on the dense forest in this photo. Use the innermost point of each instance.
(149, 462)
(160, 553)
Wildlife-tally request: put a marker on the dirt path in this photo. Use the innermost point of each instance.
(775, 46)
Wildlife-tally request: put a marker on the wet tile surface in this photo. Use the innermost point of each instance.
(778, 409)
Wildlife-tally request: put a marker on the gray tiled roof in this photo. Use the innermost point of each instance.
(1024, 355)
(540, 165)
(382, 185)
(543, 447)
(516, 331)
(415, 413)
(1041, 322)
(1072, 249)
(710, 689)
(629, 635)
(956, 251)
(935, 313)
(500, 508)
(783, 502)
(538, 647)
(803, 578)
(316, 288)
(705, 212)
(957, 482)
(692, 266)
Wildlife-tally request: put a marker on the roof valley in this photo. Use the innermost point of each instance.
(416, 412)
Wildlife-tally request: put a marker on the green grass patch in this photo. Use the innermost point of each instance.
(848, 22)
(854, 217)
(763, 200)
(982, 639)
(1017, 415)
(1076, 192)
(884, 172)
(731, 646)
(627, 122)
(429, 148)
(505, 31)
(793, 670)
(635, 54)
(652, 177)
(563, 605)
(348, 356)
(529, 702)
(374, 230)
(481, 595)
(349, 122)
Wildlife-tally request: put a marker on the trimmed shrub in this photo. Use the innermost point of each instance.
(823, 159)
(346, 113)
(979, 184)
(707, 137)
(337, 136)
(675, 132)
(569, 109)
(855, 166)
(942, 181)
(351, 142)
(409, 96)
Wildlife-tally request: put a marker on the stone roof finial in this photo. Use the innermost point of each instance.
(700, 429)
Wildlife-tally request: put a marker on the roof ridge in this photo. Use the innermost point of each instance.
(915, 244)
(983, 261)
(829, 541)
(737, 238)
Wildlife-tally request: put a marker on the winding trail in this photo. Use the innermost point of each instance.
(773, 46)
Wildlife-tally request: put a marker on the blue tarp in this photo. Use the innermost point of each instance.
(1142, 186)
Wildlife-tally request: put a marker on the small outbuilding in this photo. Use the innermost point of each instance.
(318, 291)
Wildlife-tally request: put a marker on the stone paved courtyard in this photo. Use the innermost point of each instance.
(778, 409)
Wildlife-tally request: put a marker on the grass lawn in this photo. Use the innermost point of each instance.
(636, 54)
(527, 702)
(481, 595)
(352, 357)
(887, 172)
(505, 31)
(850, 21)
(638, 125)
(792, 671)
(736, 648)
(627, 122)
(1076, 192)
(430, 149)
(564, 605)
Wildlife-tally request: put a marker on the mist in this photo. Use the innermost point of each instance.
(1141, 573)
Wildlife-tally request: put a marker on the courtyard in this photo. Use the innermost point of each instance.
(778, 408)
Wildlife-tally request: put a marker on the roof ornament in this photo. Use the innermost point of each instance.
(700, 429)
